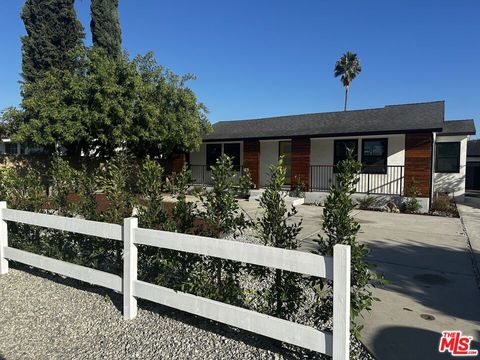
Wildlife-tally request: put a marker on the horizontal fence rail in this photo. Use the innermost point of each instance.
(378, 180)
(74, 271)
(79, 226)
(289, 260)
(336, 268)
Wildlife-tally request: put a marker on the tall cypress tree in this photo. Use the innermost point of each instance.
(105, 26)
(53, 30)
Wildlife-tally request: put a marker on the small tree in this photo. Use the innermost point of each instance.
(284, 296)
(222, 217)
(184, 212)
(174, 268)
(64, 179)
(116, 182)
(340, 227)
(21, 187)
(245, 184)
(151, 212)
(411, 205)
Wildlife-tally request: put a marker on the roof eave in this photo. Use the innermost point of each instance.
(315, 135)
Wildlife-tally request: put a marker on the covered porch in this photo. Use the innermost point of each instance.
(311, 162)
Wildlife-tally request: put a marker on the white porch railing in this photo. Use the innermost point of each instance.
(336, 268)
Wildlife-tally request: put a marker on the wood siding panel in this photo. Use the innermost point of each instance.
(178, 161)
(251, 159)
(418, 161)
(301, 161)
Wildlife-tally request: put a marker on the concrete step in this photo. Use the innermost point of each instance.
(255, 195)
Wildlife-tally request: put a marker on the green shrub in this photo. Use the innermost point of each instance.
(284, 296)
(299, 187)
(444, 204)
(366, 203)
(222, 217)
(245, 184)
(340, 227)
(411, 204)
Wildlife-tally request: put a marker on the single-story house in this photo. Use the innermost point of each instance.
(473, 165)
(398, 145)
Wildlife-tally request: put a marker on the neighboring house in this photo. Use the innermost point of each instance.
(397, 144)
(473, 165)
(10, 148)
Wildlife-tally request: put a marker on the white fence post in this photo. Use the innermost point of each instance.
(129, 268)
(341, 302)
(3, 240)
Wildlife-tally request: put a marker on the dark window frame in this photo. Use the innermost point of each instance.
(9, 144)
(335, 155)
(209, 164)
(380, 169)
(458, 148)
(236, 160)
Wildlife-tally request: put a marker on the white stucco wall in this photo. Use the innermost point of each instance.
(199, 157)
(268, 156)
(453, 183)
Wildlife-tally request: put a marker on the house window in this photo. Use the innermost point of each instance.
(340, 148)
(374, 156)
(214, 151)
(233, 151)
(448, 157)
(11, 148)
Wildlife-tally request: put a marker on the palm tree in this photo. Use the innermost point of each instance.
(348, 67)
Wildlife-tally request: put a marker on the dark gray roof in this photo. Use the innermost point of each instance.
(390, 119)
(473, 148)
(459, 127)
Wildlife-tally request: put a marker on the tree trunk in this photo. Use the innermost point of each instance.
(346, 98)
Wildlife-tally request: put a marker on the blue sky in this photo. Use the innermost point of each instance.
(273, 57)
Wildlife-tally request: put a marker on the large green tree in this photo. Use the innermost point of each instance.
(109, 103)
(105, 26)
(53, 31)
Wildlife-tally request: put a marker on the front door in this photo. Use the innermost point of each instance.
(285, 150)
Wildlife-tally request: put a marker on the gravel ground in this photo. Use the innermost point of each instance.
(44, 316)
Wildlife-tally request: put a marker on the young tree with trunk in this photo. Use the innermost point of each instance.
(222, 218)
(283, 296)
(340, 227)
(348, 67)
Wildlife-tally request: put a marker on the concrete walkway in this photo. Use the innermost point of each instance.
(431, 284)
(470, 213)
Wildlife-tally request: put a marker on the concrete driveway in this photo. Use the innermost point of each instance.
(431, 284)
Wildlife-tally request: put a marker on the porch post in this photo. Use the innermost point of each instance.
(301, 162)
(251, 159)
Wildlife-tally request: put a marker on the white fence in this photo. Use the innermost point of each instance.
(336, 268)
